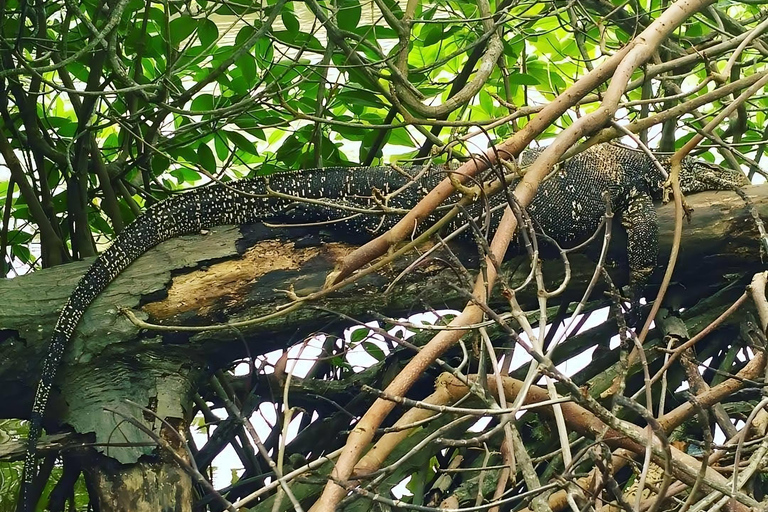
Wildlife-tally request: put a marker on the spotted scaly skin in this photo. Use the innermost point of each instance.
(568, 207)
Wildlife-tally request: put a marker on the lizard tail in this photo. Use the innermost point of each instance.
(136, 239)
(52, 359)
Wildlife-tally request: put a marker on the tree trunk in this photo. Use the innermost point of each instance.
(141, 487)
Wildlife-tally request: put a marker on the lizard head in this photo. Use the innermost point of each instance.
(699, 175)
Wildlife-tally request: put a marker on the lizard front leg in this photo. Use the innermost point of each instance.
(640, 221)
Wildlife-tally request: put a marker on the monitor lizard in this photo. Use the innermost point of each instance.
(568, 207)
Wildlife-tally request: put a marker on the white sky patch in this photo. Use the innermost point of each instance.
(401, 490)
(302, 357)
(293, 426)
(719, 437)
(222, 473)
(520, 356)
(480, 424)
(574, 365)
(264, 418)
(222, 476)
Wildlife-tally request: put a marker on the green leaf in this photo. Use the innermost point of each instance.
(185, 175)
(486, 102)
(156, 14)
(68, 130)
(180, 29)
(244, 34)
(148, 69)
(429, 14)
(206, 158)
(21, 211)
(355, 100)
(98, 223)
(432, 34)
(16, 236)
(374, 350)
(349, 13)
(365, 148)
(289, 21)
(359, 334)
(239, 85)
(298, 38)
(375, 32)
(253, 124)
(241, 142)
(186, 153)
(522, 79)
(237, 7)
(207, 32)
(22, 253)
(111, 143)
(694, 29)
(160, 163)
(264, 52)
(55, 121)
(202, 102)
(247, 66)
(290, 150)
(222, 151)
(557, 80)
(401, 137)
(339, 362)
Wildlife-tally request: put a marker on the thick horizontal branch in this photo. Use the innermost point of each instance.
(228, 275)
